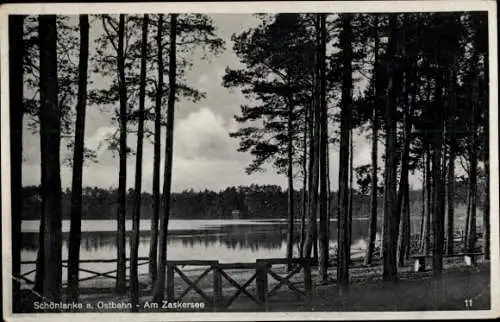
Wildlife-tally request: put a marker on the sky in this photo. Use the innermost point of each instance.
(205, 157)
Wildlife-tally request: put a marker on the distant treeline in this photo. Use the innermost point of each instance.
(254, 201)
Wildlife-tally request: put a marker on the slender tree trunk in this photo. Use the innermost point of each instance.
(467, 218)
(471, 247)
(438, 213)
(473, 184)
(50, 125)
(16, 110)
(122, 176)
(372, 234)
(153, 250)
(76, 187)
(345, 116)
(304, 187)
(428, 189)
(159, 288)
(407, 216)
(312, 236)
(403, 184)
(422, 220)
(486, 205)
(400, 202)
(451, 170)
(323, 202)
(391, 216)
(315, 255)
(351, 193)
(317, 138)
(486, 211)
(134, 253)
(290, 232)
(311, 217)
(328, 183)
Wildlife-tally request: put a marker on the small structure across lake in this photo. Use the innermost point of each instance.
(236, 214)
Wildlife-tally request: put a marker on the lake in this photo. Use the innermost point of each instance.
(222, 240)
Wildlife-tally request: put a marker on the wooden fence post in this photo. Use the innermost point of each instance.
(217, 296)
(261, 281)
(170, 282)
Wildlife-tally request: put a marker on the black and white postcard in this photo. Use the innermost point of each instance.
(250, 161)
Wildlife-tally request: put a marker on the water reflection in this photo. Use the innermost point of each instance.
(225, 241)
(248, 238)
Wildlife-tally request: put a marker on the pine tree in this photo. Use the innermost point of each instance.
(323, 154)
(159, 286)
(50, 139)
(16, 111)
(153, 251)
(134, 253)
(346, 101)
(374, 152)
(78, 159)
(391, 217)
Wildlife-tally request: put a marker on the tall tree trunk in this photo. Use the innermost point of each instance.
(304, 187)
(428, 190)
(437, 184)
(76, 186)
(345, 116)
(290, 232)
(403, 183)
(471, 246)
(317, 138)
(372, 234)
(50, 126)
(134, 253)
(312, 235)
(400, 202)
(159, 288)
(310, 215)
(391, 216)
(351, 194)
(473, 183)
(122, 175)
(323, 201)
(424, 202)
(407, 216)
(467, 218)
(451, 169)
(486, 208)
(16, 110)
(328, 182)
(486, 202)
(153, 250)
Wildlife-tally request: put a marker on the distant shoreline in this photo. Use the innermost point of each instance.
(32, 225)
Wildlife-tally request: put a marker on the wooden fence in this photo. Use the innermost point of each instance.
(220, 299)
(95, 274)
(260, 271)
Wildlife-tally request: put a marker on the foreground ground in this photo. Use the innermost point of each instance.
(366, 292)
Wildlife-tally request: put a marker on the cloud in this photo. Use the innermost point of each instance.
(96, 141)
(203, 135)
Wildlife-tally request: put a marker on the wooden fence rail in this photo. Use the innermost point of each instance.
(95, 274)
(259, 272)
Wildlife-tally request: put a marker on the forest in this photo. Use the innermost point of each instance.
(415, 84)
(253, 202)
